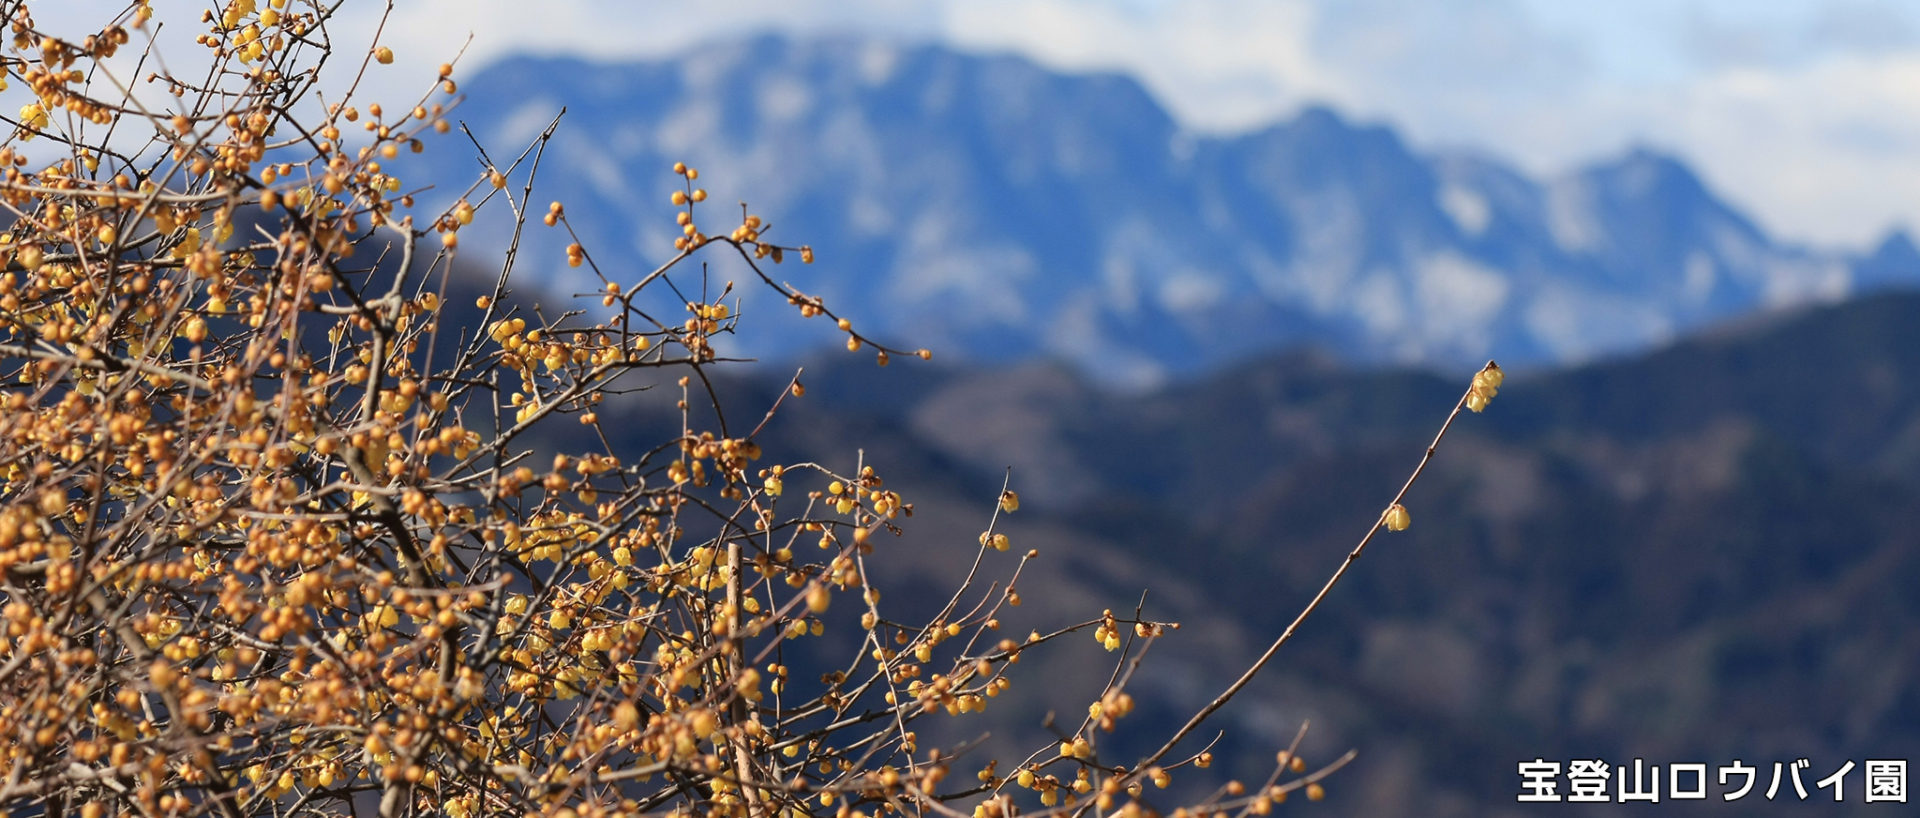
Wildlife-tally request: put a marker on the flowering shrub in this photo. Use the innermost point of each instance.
(273, 541)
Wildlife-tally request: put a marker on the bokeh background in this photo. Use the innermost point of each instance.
(1207, 276)
(1802, 112)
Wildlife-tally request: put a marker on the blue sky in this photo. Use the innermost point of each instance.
(1806, 113)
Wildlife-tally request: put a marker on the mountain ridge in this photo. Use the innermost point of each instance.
(1636, 558)
(995, 210)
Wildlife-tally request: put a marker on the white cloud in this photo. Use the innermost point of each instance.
(1832, 150)
(1216, 65)
(1828, 152)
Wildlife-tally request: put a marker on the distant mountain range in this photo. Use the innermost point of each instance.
(1701, 554)
(996, 210)
(1701, 549)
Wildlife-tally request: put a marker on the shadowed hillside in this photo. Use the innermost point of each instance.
(1702, 554)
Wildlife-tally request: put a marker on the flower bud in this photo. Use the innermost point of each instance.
(1397, 518)
(1486, 384)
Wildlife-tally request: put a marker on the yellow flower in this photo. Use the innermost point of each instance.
(33, 117)
(1486, 384)
(1397, 518)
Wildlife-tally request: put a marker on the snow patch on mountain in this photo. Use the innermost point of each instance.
(1005, 211)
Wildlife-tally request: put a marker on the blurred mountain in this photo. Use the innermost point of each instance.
(1702, 554)
(998, 211)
